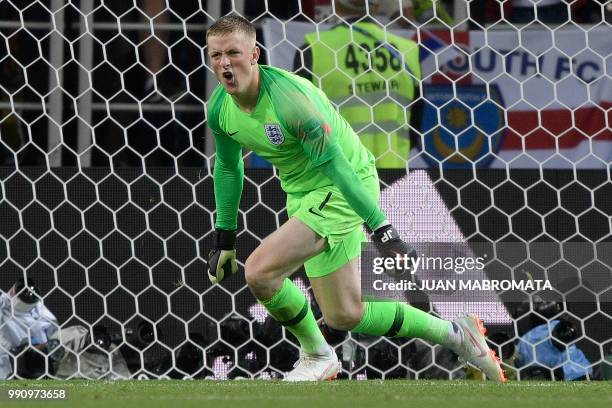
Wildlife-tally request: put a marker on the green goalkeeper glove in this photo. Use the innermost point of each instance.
(222, 259)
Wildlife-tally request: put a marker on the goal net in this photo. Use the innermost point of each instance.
(106, 191)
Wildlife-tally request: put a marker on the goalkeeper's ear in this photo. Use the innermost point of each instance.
(255, 53)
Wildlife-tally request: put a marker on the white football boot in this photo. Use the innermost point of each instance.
(315, 368)
(474, 349)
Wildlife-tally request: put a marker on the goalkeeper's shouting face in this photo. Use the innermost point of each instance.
(233, 56)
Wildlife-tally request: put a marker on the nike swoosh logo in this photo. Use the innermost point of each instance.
(483, 352)
(233, 133)
(312, 211)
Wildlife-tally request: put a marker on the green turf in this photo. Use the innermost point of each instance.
(353, 394)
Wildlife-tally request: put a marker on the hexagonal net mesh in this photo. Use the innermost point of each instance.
(106, 192)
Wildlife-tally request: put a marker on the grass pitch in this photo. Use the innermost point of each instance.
(350, 394)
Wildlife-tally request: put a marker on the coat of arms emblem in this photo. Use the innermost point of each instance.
(274, 133)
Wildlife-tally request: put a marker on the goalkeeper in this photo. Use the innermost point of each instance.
(332, 189)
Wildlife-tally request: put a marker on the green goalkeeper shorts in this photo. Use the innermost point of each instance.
(328, 214)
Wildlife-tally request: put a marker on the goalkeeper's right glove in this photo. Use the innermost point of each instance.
(222, 259)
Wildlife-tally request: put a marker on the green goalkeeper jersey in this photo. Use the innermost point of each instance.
(295, 128)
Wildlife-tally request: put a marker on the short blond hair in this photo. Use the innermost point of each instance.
(232, 23)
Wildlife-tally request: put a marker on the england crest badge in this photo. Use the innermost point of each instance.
(274, 133)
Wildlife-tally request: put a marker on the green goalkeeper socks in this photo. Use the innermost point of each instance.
(290, 308)
(395, 319)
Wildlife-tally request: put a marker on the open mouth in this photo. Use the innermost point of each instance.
(228, 76)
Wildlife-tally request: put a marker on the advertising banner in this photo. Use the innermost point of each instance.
(497, 99)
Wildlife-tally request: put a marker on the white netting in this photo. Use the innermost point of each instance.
(106, 197)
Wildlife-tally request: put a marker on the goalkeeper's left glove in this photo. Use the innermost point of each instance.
(222, 259)
(390, 245)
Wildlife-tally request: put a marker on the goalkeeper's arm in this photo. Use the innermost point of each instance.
(228, 176)
(341, 173)
(338, 169)
(385, 237)
(305, 116)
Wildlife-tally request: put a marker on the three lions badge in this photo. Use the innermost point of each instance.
(274, 133)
